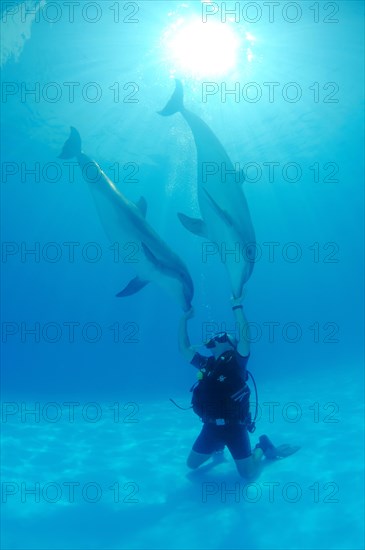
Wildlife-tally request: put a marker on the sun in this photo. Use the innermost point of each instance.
(202, 49)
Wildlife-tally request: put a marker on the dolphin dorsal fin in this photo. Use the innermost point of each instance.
(142, 206)
(72, 147)
(176, 103)
(194, 225)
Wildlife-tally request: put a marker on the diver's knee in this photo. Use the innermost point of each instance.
(248, 475)
(247, 468)
(190, 464)
(195, 459)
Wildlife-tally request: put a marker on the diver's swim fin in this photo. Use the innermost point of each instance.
(286, 450)
(274, 453)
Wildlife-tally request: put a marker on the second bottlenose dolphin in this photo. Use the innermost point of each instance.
(125, 221)
(226, 219)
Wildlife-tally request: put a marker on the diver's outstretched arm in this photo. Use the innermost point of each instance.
(184, 342)
(243, 346)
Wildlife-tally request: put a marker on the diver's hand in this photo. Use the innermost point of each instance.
(238, 301)
(189, 314)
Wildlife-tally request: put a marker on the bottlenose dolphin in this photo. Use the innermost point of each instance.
(226, 219)
(123, 220)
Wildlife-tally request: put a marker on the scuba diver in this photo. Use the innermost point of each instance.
(221, 399)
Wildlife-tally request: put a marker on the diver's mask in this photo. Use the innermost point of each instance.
(220, 338)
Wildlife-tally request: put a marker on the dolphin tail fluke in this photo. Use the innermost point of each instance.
(134, 286)
(72, 147)
(194, 225)
(176, 103)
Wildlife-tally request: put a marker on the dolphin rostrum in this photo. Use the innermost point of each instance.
(124, 220)
(226, 219)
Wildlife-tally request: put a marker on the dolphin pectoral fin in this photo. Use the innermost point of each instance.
(176, 103)
(221, 213)
(142, 206)
(194, 225)
(72, 147)
(134, 286)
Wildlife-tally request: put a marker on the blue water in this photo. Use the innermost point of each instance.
(122, 445)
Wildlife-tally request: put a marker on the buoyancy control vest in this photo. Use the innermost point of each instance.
(221, 391)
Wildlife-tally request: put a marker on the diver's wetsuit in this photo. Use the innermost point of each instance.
(234, 433)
